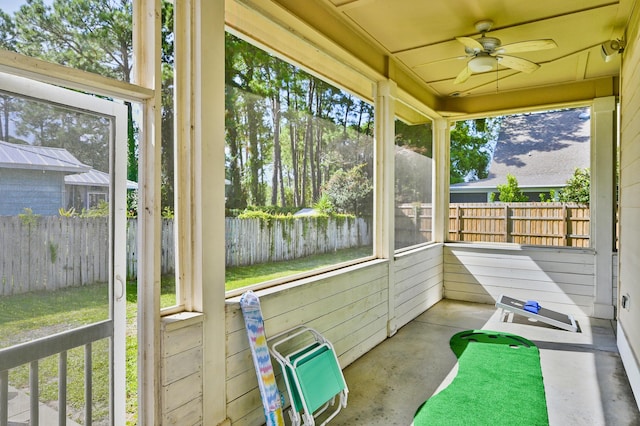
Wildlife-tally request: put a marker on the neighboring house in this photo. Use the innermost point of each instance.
(45, 179)
(542, 150)
(33, 177)
(86, 190)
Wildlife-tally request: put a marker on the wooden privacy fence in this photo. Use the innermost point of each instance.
(167, 248)
(548, 224)
(50, 252)
(252, 241)
(414, 224)
(54, 252)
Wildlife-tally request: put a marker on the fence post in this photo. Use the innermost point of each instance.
(507, 232)
(565, 224)
(416, 224)
(458, 230)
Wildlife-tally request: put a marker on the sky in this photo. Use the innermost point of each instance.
(10, 6)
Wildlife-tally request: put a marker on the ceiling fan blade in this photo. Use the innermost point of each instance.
(527, 46)
(464, 75)
(471, 43)
(518, 64)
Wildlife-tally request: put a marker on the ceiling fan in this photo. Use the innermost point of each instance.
(485, 52)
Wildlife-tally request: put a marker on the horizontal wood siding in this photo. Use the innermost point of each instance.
(181, 368)
(350, 308)
(561, 280)
(629, 283)
(419, 282)
(43, 191)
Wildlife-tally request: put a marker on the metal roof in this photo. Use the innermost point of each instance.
(14, 156)
(29, 157)
(93, 178)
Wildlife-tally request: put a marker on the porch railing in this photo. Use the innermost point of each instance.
(57, 344)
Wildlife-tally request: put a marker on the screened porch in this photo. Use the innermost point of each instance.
(388, 310)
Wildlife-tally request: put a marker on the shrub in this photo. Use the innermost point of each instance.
(510, 192)
(28, 218)
(324, 205)
(578, 187)
(101, 210)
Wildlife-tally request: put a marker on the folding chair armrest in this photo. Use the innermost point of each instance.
(290, 334)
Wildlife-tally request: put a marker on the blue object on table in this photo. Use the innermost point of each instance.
(532, 306)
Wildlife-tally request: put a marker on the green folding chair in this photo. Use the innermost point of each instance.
(311, 373)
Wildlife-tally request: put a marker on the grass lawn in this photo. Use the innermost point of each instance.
(27, 316)
(32, 315)
(243, 276)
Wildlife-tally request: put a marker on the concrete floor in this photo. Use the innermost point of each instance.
(585, 382)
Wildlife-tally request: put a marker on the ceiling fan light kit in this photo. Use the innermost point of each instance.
(482, 63)
(486, 52)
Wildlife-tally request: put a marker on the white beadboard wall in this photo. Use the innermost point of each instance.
(418, 276)
(181, 369)
(349, 307)
(629, 284)
(560, 279)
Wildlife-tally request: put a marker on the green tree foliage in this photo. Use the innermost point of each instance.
(510, 192)
(578, 187)
(419, 138)
(287, 132)
(86, 136)
(324, 205)
(93, 36)
(414, 150)
(348, 190)
(471, 149)
(544, 198)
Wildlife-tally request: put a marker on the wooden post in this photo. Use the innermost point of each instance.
(458, 225)
(506, 224)
(565, 224)
(416, 225)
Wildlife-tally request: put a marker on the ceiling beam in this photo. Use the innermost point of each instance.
(350, 4)
(570, 94)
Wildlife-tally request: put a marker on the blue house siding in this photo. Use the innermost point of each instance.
(41, 190)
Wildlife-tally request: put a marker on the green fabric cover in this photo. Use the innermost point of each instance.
(319, 376)
(499, 382)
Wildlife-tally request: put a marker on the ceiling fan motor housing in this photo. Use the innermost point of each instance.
(489, 43)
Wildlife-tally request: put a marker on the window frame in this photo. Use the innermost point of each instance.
(546, 108)
(295, 279)
(59, 95)
(431, 241)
